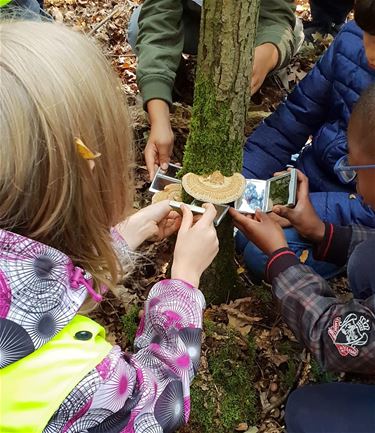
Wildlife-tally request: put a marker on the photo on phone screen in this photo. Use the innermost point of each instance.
(160, 182)
(282, 190)
(253, 197)
(279, 190)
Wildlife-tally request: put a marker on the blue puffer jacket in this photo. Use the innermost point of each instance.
(319, 106)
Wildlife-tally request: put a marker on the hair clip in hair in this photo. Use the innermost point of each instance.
(84, 151)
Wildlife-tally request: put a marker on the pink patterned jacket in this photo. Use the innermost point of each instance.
(41, 291)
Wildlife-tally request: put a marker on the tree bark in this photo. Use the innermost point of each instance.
(221, 99)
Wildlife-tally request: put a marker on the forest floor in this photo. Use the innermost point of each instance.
(246, 336)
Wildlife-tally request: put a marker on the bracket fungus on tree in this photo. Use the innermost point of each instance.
(214, 188)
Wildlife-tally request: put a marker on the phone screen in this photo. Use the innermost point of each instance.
(159, 183)
(279, 191)
(171, 171)
(253, 196)
(221, 211)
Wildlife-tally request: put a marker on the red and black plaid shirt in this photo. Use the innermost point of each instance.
(341, 335)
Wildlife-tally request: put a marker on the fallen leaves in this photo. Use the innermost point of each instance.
(242, 427)
(304, 256)
(279, 359)
(85, 15)
(239, 321)
(56, 14)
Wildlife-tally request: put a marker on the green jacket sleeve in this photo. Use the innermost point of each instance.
(160, 43)
(161, 39)
(276, 26)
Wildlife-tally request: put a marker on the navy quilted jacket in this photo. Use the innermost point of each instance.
(319, 106)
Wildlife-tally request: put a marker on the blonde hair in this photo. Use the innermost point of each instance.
(55, 86)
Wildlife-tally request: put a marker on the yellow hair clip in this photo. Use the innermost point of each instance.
(84, 151)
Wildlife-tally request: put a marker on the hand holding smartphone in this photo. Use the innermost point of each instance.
(265, 194)
(167, 177)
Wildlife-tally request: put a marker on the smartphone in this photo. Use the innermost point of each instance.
(171, 171)
(197, 210)
(163, 178)
(282, 190)
(264, 194)
(221, 211)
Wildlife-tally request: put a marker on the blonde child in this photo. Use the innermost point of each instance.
(65, 182)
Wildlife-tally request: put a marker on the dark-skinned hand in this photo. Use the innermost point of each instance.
(260, 229)
(303, 216)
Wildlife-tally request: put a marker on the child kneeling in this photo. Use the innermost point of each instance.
(340, 334)
(319, 107)
(65, 185)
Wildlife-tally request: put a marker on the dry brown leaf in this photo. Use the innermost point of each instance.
(240, 321)
(241, 302)
(57, 15)
(111, 338)
(241, 270)
(242, 427)
(263, 340)
(124, 295)
(243, 329)
(304, 256)
(279, 359)
(289, 334)
(263, 399)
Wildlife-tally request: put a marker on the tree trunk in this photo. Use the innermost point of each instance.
(221, 100)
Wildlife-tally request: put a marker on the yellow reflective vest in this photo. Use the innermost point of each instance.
(4, 2)
(32, 389)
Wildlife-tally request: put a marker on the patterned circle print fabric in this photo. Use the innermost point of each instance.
(40, 279)
(5, 296)
(15, 342)
(169, 408)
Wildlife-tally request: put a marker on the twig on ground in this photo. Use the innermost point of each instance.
(115, 11)
(243, 275)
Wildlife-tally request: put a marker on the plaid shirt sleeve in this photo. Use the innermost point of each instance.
(339, 242)
(340, 335)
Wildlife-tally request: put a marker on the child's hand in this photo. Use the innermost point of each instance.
(197, 245)
(283, 222)
(260, 229)
(156, 220)
(303, 216)
(266, 57)
(160, 142)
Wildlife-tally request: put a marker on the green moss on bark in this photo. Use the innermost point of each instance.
(215, 142)
(211, 144)
(130, 324)
(234, 373)
(223, 394)
(220, 282)
(203, 403)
